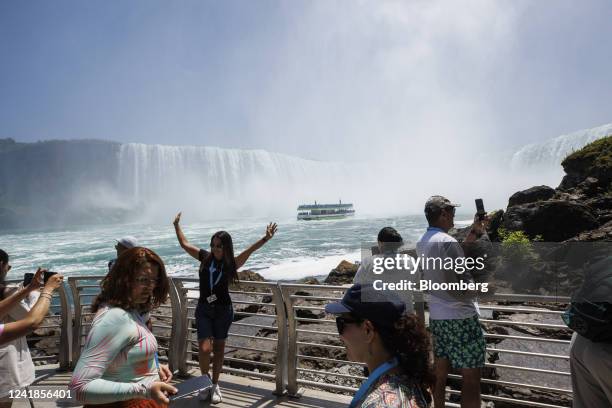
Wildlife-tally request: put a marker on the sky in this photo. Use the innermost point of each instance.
(325, 80)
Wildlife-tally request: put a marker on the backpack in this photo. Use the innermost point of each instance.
(590, 311)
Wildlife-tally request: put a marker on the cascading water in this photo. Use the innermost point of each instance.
(550, 154)
(229, 177)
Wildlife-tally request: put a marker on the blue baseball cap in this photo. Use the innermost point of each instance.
(381, 307)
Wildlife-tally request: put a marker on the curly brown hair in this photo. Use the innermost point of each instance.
(117, 285)
(410, 341)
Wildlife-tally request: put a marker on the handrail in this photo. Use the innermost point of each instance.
(184, 330)
(78, 325)
(331, 293)
(286, 300)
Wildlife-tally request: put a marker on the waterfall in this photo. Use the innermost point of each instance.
(548, 155)
(240, 179)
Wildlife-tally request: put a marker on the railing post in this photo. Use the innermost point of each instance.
(419, 306)
(65, 346)
(292, 386)
(175, 346)
(183, 344)
(77, 327)
(281, 345)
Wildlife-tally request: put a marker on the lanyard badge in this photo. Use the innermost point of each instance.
(211, 271)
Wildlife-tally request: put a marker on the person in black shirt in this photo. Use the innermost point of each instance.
(214, 312)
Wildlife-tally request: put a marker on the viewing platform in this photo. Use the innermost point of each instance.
(283, 350)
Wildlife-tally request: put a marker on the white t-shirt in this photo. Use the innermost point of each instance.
(442, 305)
(365, 274)
(16, 366)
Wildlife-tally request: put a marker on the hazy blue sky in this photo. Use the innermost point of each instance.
(318, 79)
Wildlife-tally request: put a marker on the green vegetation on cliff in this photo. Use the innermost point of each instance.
(593, 160)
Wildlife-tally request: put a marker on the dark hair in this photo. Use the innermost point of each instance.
(432, 215)
(4, 258)
(229, 262)
(117, 285)
(410, 342)
(389, 234)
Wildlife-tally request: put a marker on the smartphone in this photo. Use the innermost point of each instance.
(27, 277)
(191, 386)
(480, 209)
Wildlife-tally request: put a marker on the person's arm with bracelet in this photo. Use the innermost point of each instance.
(191, 249)
(244, 255)
(35, 316)
(9, 302)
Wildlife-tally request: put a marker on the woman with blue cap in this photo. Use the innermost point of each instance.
(393, 344)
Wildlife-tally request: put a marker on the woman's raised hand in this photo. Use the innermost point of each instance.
(270, 230)
(177, 219)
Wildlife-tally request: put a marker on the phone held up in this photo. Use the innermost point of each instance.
(27, 277)
(480, 211)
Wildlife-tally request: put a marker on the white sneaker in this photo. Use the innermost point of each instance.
(216, 394)
(204, 395)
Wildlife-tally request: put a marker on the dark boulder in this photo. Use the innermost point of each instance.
(603, 233)
(553, 220)
(248, 275)
(531, 195)
(342, 274)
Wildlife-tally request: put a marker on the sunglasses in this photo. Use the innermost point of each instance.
(341, 323)
(147, 281)
(213, 246)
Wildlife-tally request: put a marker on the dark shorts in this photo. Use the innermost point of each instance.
(213, 320)
(460, 341)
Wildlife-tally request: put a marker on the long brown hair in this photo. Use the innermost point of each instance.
(4, 258)
(117, 285)
(410, 342)
(229, 262)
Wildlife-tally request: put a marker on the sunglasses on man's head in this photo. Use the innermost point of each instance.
(341, 323)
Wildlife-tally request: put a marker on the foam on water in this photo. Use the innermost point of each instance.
(299, 249)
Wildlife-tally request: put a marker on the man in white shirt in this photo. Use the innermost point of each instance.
(389, 242)
(453, 314)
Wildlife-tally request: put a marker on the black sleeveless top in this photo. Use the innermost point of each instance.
(221, 288)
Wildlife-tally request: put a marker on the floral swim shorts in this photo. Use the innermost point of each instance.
(460, 341)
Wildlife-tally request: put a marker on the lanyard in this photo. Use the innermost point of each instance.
(141, 320)
(211, 272)
(382, 369)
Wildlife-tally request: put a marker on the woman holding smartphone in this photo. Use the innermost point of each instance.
(214, 313)
(22, 309)
(118, 366)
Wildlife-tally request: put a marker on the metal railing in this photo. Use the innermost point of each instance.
(85, 288)
(287, 310)
(269, 291)
(333, 293)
